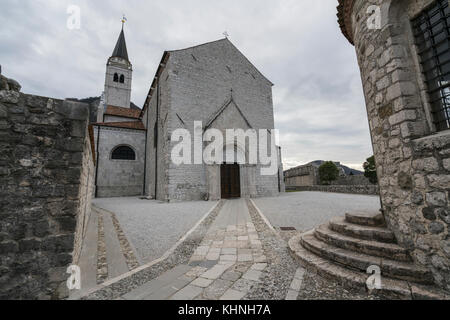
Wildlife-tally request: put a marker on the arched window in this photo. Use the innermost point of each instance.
(122, 78)
(116, 77)
(123, 153)
(431, 33)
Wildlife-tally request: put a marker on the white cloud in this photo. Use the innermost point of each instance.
(297, 44)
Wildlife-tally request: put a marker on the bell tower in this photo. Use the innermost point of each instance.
(118, 75)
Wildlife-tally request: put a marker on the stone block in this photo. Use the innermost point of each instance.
(252, 275)
(201, 282)
(446, 164)
(3, 111)
(7, 96)
(233, 295)
(437, 199)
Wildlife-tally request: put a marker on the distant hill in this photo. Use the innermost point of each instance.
(347, 170)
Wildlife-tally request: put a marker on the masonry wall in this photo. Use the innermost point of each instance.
(45, 189)
(413, 161)
(119, 178)
(351, 189)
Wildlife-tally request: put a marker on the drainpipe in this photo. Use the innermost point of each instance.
(156, 140)
(145, 156)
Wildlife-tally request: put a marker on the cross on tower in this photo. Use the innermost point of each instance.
(123, 20)
(226, 34)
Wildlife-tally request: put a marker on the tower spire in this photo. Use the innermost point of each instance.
(120, 49)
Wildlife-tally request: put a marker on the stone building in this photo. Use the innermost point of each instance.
(403, 54)
(214, 84)
(404, 67)
(305, 175)
(119, 134)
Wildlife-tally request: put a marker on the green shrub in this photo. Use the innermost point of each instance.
(328, 172)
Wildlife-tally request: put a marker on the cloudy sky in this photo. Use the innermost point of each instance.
(318, 100)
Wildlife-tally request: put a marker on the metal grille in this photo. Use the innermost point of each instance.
(432, 35)
(123, 153)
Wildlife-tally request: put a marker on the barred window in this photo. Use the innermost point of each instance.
(432, 35)
(116, 77)
(123, 153)
(122, 78)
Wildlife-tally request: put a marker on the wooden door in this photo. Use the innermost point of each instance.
(230, 181)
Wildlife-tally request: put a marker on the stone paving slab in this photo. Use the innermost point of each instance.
(222, 266)
(155, 285)
(187, 293)
(117, 264)
(88, 258)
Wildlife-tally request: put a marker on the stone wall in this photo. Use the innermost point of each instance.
(45, 169)
(119, 178)
(357, 180)
(353, 189)
(413, 161)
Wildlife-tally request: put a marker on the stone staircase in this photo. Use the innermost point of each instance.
(344, 248)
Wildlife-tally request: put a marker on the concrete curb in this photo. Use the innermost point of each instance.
(263, 217)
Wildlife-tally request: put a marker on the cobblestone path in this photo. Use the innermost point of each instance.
(233, 254)
(226, 265)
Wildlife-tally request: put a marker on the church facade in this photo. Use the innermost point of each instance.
(209, 86)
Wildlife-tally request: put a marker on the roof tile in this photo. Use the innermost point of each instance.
(123, 112)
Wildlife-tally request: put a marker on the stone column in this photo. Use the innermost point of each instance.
(413, 161)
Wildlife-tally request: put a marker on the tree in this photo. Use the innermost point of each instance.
(328, 172)
(370, 170)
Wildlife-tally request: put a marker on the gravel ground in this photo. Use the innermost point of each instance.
(277, 277)
(315, 287)
(306, 210)
(181, 255)
(153, 227)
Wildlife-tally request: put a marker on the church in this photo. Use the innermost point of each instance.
(213, 84)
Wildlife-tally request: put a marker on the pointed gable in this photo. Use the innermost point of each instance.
(229, 116)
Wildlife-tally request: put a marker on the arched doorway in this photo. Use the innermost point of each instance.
(230, 179)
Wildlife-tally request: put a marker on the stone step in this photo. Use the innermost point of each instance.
(374, 248)
(361, 262)
(340, 225)
(391, 288)
(365, 219)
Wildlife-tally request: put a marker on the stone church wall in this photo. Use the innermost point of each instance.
(45, 170)
(413, 161)
(158, 157)
(119, 178)
(201, 81)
